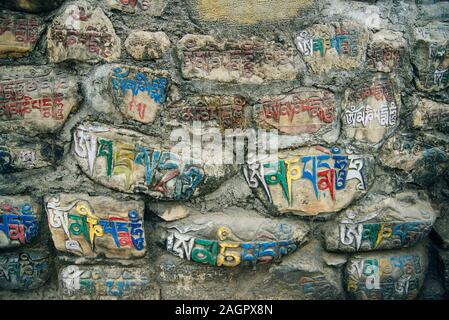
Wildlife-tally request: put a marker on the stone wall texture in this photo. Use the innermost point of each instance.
(96, 204)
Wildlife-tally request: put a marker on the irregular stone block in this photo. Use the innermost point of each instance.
(381, 222)
(20, 218)
(431, 115)
(372, 110)
(333, 46)
(229, 240)
(89, 226)
(444, 255)
(138, 92)
(142, 7)
(35, 99)
(33, 6)
(82, 33)
(249, 11)
(105, 283)
(252, 60)
(305, 110)
(441, 228)
(430, 55)
(386, 52)
(143, 45)
(388, 275)
(19, 33)
(130, 162)
(311, 180)
(24, 269)
(170, 212)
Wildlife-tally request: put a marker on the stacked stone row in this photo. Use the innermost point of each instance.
(96, 203)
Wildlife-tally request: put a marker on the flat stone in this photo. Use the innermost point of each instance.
(387, 51)
(144, 45)
(19, 33)
(153, 8)
(24, 269)
(20, 221)
(303, 111)
(131, 162)
(32, 6)
(431, 115)
(170, 212)
(340, 46)
(371, 111)
(37, 99)
(253, 60)
(25, 156)
(387, 275)
(89, 226)
(84, 34)
(102, 282)
(381, 223)
(430, 53)
(242, 238)
(138, 92)
(311, 180)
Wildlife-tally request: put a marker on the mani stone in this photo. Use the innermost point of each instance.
(371, 110)
(153, 8)
(249, 11)
(431, 115)
(311, 180)
(35, 99)
(138, 92)
(19, 33)
(386, 52)
(24, 156)
(84, 34)
(231, 239)
(441, 229)
(381, 223)
(32, 6)
(131, 162)
(102, 282)
(20, 218)
(143, 45)
(302, 111)
(252, 60)
(89, 226)
(333, 46)
(24, 269)
(430, 55)
(386, 275)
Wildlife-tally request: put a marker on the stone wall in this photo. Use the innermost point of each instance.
(95, 204)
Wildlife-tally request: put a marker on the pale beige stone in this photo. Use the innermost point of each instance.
(386, 51)
(153, 8)
(430, 115)
(144, 45)
(15, 157)
(170, 212)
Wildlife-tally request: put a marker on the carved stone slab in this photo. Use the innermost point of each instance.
(140, 7)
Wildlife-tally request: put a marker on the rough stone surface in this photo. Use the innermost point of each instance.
(387, 51)
(142, 45)
(170, 212)
(20, 219)
(82, 33)
(139, 7)
(431, 115)
(90, 226)
(33, 6)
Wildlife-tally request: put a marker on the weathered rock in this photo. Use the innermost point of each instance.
(24, 269)
(82, 33)
(387, 51)
(103, 282)
(33, 6)
(17, 156)
(387, 275)
(252, 60)
(381, 222)
(144, 45)
(90, 226)
(35, 98)
(138, 92)
(130, 162)
(441, 228)
(430, 56)
(372, 110)
(431, 115)
(444, 255)
(170, 212)
(20, 219)
(249, 12)
(303, 111)
(19, 33)
(232, 239)
(142, 7)
(340, 46)
(311, 180)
